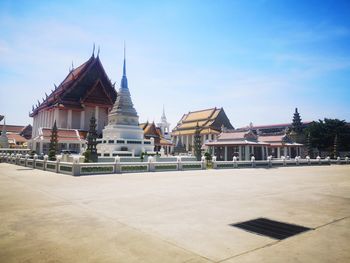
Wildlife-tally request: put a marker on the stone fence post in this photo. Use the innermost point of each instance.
(58, 160)
(346, 159)
(338, 160)
(26, 157)
(269, 160)
(179, 163)
(46, 157)
(117, 166)
(75, 166)
(284, 160)
(318, 158)
(308, 159)
(296, 160)
(214, 162)
(252, 161)
(34, 160)
(151, 164)
(203, 163)
(234, 159)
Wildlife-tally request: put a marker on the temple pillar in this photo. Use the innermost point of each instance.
(262, 153)
(33, 130)
(247, 153)
(69, 119)
(47, 119)
(240, 152)
(56, 117)
(188, 142)
(41, 147)
(286, 152)
(82, 119)
(43, 119)
(52, 117)
(225, 154)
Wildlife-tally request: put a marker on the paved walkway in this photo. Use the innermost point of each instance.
(173, 216)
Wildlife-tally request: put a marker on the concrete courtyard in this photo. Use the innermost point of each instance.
(173, 216)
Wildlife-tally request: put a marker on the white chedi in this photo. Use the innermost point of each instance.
(123, 136)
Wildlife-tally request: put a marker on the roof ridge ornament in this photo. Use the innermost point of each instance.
(93, 50)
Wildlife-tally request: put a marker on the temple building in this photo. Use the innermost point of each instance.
(85, 92)
(242, 144)
(245, 144)
(281, 145)
(164, 126)
(210, 122)
(150, 130)
(123, 136)
(17, 135)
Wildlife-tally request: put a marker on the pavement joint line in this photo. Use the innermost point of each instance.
(334, 221)
(249, 251)
(86, 207)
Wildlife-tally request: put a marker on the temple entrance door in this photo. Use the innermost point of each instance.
(293, 152)
(258, 153)
(219, 153)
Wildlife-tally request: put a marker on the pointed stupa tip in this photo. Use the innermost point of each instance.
(163, 111)
(4, 126)
(124, 82)
(124, 66)
(296, 110)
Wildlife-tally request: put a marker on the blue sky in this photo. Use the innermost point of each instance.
(256, 59)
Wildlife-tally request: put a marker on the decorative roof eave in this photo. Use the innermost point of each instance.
(66, 85)
(93, 88)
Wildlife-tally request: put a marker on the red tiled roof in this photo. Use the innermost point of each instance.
(236, 135)
(62, 134)
(73, 77)
(13, 128)
(16, 137)
(272, 138)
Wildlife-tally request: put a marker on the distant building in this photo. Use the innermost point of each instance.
(164, 126)
(17, 135)
(271, 128)
(85, 92)
(150, 130)
(242, 144)
(281, 145)
(245, 144)
(210, 122)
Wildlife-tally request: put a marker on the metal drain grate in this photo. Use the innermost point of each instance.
(271, 228)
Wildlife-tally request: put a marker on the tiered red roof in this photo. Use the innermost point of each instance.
(62, 134)
(89, 78)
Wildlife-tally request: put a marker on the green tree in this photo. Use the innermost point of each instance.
(91, 151)
(197, 143)
(53, 147)
(323, 133)
(335, 147)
